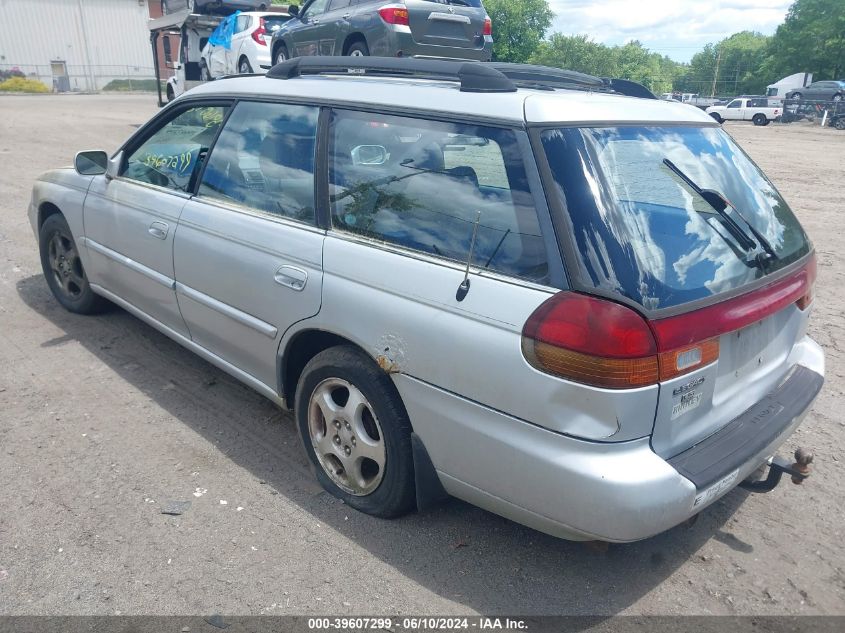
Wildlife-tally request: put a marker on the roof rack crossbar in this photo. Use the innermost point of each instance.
(529, 75)
(472, 76)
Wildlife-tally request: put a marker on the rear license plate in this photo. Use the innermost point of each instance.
(708, 494)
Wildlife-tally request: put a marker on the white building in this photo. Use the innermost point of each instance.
(76, 44)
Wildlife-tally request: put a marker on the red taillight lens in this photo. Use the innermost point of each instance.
(259, 33)
(591, 340)
(605, 344)
(488, 26)
(394, 14)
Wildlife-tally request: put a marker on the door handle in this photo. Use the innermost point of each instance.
(346, 16)
(159, 230)
(291, 277)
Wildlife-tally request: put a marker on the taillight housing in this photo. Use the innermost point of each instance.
(395, 14)
(488, 26)
(259, 33)
(599, 342)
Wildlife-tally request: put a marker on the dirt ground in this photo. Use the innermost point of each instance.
(103, 421)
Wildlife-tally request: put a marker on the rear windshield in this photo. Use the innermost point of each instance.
(274, 23)
(643, 231)
(459, 3)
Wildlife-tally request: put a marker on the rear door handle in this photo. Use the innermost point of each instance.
(291, 277)
(159, 230)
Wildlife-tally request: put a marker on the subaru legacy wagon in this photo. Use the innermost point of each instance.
(579, 309)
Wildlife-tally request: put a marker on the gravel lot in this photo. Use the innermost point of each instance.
(103, 420)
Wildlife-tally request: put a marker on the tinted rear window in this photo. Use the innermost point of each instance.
(639, 231)
(459, 3)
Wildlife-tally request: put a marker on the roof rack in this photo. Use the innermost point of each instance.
(473, 76)
(548, 78)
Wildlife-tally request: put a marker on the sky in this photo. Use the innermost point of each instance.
(677, 28)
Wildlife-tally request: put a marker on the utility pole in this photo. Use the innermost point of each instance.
(716, 74)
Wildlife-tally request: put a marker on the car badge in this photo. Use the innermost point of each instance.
(451, 10)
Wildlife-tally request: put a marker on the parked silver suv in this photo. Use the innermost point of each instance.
(423, 28)
(582, 310)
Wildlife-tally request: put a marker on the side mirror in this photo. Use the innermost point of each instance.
(113, 168)
(91, 163)
(369, 155)
(293, 10)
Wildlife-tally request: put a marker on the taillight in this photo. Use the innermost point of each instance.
(598, 342)
(488, 26)
(591, 340)
(395, 14)
(259, 33)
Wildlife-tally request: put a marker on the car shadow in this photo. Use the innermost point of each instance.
(457, 551)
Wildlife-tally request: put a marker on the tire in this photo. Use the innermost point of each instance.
(244, 67)
(192, 5)
(164, 7)
(840, 124)
(377, 430)
(796, 96)
(170, 94)
(281, 54)
(838, 97)
(358, 49)
(717, 117)
(63, 269)
(759, 119)
(204, 74)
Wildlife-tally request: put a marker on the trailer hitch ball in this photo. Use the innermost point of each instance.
(803, 459)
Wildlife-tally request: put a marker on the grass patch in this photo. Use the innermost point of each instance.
(125, 85)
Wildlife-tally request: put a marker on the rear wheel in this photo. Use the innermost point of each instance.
(63, 269)
(837, 97)
(797, 95)
(356, 432)
(281, 54)
(358, 49)
(759, 119)
(171, 95)
(840, 124)
(244, 67)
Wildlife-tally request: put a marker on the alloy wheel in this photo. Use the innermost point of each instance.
(65, 265)
(346, 436)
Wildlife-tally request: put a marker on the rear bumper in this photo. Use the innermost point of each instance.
(396, 40)
(583, 490)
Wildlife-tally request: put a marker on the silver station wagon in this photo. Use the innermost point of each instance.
(547, 294)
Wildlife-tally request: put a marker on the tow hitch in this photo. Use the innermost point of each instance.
(799, 471)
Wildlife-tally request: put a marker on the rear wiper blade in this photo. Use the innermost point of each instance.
(720, 204)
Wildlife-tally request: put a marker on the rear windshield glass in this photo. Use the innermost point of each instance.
(274, 23)
(642, 230)
(459, 3)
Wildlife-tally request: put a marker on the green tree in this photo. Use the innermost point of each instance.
(518, 27)
(739, 59)
(811, 39)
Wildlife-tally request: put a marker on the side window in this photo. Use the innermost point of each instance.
(735, 103)
(243, 24)
(316, 8)
(339, 4)
(420, 185)
(172, 154)
(264, 159)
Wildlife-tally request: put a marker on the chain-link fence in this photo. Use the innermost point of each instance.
(61, 77)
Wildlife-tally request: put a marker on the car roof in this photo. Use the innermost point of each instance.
(531, 106)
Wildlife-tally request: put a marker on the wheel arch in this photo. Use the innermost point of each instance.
(301, 347)
(275, 50)
(45, 210)
(351, 39)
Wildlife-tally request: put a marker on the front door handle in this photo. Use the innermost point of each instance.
(291, 277)
(159, 230)
(346, 16)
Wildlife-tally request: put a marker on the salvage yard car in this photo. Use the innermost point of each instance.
(754, 109)
(459, 29)
(579, 309)
(240, 44)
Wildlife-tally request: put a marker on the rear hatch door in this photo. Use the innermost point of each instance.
(454, 23)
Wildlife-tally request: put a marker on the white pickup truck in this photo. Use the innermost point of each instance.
(756, 110)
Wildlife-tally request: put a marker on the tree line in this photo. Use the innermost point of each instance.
(811, 39)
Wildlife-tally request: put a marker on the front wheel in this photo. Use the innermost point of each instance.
(205, 75)
(837, 97)
(716, 117)
(358, 49)
(796, 96)
(63, 269)
(356, 432)
(840, 124)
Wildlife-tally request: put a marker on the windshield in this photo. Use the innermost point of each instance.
(642, 232)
